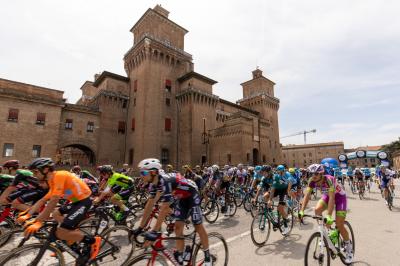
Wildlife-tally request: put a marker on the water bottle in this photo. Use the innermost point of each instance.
(186, 253)
(333, 235)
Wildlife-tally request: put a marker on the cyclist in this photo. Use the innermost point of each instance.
(279, 189)
(332, 196)
(359, 177)
(338, 175)
(350, 175)
(367, 175)
(169, 169)
(62, 184)
(385, 176)
(294, 184)
(241, 174)
(265, 183)
(256, 177)
(118, 187)
(168, 188)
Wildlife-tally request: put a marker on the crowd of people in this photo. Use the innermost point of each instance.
(39, 192)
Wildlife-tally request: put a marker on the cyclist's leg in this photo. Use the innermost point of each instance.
(181, 213)
(281, 205)
(341, 210)
(322, 204)
(199, 227)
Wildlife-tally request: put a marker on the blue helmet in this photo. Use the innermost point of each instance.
(258, 168)
(280, 168)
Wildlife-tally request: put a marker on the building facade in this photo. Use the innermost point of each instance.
(162, 108)
(304, 155)
(396, 160)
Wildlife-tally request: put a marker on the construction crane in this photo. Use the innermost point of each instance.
(305, 132)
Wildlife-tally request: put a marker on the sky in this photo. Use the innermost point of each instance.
(336, 64)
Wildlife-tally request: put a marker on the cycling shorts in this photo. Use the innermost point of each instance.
(225, 185)
(189, 207)
(385, 184)
(74, 213)
(340, 203)
(281, 193)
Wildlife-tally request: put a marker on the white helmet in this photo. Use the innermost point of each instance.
(240, 166)
(226, 167)
(215, 167)
(150, 164)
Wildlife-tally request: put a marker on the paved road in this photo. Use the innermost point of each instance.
(377, 234)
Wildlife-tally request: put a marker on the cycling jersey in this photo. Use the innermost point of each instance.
(25, 179)
(5, 181)
(266, 183)
(120, 180)
(66, 185)
(257, 176)
(176, 186)
(281, 182)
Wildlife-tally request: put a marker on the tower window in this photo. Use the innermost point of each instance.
(164, 156)
(40, 118)
(168, 85)
(68, 124)
(121, 127)
(168, 101)
(167, 125)
(135, 86)
(90, 127)
(133, 124)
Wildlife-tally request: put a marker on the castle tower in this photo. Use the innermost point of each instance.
(258, 95)
(154, 63)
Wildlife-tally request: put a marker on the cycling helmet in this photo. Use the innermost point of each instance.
(251, 168)
(150, 164)
(11, 164)
(226, 167)
(316, 169)
(76, 169)
(106, 169)
(292, 170)
(240, 166)
(266, 168)
(215, 167)
(258, 168)
(280, 168)
(41, 163)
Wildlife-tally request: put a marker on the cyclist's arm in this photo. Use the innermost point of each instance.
(149, 208)
(258, 192)
(36, 207)
(164, 212)
(45, 214)
(289, 188)
(331, 203)
(6, 193)
(306, 198)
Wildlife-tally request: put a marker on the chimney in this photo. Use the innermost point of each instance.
(96, 76)
(160, 10)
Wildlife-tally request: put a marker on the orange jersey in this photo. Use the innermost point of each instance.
(68, 186)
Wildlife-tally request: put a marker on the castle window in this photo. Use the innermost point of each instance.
(134, 101)
(121, 127)
(168, 85)
(8, 149)
(135, 86)
(168, 101)
(40, 118)
(264, 159)
(229, 158)
(68, 124)
(164, 156)
(167, 124)
(36, 150)
(248, 157)
(130, 160)
(13, 115)
(124, 104)
(90, 127)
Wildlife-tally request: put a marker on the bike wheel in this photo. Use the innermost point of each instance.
(260, 229)
(247, 203)
(5, 227)
(211, 211)
(341, 241)
(290, 220)
(119, 243)
(147, 259)
(218, 251)
(239, 196)
(232, 206)
(254, 209)
(26, 255)
(317, 251)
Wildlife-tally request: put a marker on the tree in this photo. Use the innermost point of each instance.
(391, 148)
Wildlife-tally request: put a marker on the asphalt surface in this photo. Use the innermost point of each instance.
(376, 229)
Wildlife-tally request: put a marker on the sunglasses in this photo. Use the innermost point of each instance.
(144, 172)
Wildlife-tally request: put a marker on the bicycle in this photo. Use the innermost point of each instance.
(390, 198)
(160, 254)
(261, 224)
(324, 249)
(50, 249)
